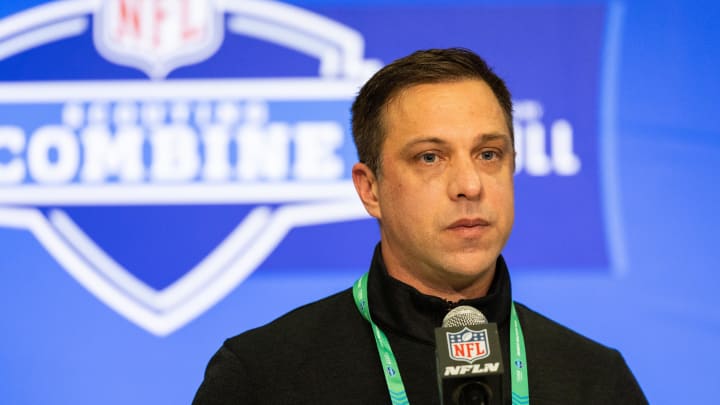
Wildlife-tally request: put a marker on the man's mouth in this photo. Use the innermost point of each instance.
(469, 223)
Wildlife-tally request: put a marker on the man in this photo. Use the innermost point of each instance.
(435, 142)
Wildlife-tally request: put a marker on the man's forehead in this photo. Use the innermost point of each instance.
(436, 104)
(469, 93)
(430, 85)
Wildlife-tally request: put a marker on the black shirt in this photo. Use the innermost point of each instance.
(324, 352)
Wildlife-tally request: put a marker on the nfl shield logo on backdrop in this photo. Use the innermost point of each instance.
(468, 345)
(157, 36)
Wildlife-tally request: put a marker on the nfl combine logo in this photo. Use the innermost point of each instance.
(468, 345)
(160, 196)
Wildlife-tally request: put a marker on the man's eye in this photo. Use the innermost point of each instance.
(488, 155)
(429, 157)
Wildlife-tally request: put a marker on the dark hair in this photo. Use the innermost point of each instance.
(421, 67)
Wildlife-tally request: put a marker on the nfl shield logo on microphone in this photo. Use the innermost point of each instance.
(468, 345)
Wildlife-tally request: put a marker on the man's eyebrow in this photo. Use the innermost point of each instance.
(481, 140)
(495, 136)
(427, 139)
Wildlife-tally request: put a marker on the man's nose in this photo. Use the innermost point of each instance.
(464, 179)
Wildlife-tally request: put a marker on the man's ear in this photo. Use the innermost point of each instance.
(366, 186)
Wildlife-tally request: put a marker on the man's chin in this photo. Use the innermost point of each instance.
(471, 260)
(466, 277)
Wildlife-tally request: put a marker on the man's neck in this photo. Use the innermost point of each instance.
(434, 284)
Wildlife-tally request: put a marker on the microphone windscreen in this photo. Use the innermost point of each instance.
(464, 315)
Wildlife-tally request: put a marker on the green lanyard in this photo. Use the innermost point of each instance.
(520, 392)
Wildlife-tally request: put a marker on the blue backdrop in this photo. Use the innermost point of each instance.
(614, 234)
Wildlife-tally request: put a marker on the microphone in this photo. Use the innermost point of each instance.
(469, 359)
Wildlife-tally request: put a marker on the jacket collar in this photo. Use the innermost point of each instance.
(402, 309)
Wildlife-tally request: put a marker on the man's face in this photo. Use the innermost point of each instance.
(444, 194)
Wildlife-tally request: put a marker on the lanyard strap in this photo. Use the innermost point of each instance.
(396, 388)
(387, 358)
(519, 377)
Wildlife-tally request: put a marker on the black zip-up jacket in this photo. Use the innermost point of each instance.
(324, 353)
